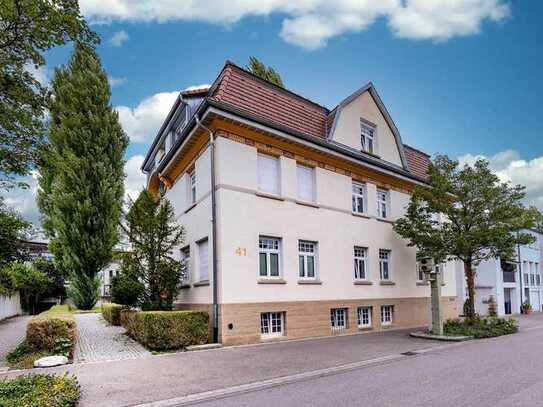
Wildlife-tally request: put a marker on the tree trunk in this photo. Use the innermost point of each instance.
(470, 280)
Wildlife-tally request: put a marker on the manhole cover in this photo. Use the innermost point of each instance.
(409, 353)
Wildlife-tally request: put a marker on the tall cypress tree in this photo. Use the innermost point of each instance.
(82, 174)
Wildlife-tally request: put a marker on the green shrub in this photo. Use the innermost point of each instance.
(112, 313)
(39, 390)
(126, 289)
(164, 330)
(480, 327)
(23, 356)
(52, 329)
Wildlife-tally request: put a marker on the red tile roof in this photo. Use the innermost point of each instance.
(195, 92)
(417, 161)
(243, 90)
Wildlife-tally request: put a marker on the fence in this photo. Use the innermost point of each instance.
(10, 306)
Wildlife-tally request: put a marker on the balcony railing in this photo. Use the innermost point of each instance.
(508, 276)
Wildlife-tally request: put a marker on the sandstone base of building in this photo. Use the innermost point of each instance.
(240, 323)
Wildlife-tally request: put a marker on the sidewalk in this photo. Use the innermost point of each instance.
(12, 332)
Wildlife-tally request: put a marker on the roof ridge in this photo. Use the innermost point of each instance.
(277, 87)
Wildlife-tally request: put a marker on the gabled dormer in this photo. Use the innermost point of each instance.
(362, 123)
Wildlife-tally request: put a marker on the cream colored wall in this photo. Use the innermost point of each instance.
(197, 224)
(243, 216)
(347, 129)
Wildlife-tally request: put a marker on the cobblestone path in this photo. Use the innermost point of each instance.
(99, 341)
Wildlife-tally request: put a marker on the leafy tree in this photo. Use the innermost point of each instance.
(483, 218)
(13, 229)
(27, 29)
(81, 183)
(57, 278)
(153, 234)
(30, 282)
(265, 72)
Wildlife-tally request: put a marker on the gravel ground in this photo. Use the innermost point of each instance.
(98, 341)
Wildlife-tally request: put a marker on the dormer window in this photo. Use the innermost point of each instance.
(367, 137)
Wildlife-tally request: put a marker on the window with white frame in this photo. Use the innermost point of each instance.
(338, 319)
(367, 137)
(268, 174)
(420, 274)
(383, 199)
(359, 197)
(306, 183)
(384, 264)
(269, 250)
(364, 317)
(360, 262)
(192, 186)
(203, 260)
(387, 314)
(185, 258)
(537, 275)
(532, 274)
(272, 323)
(307, 259)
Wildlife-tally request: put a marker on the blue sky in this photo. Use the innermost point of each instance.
(461, 77)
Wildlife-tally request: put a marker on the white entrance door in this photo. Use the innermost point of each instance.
(535, 300)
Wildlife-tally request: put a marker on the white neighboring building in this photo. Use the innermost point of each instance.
(501, 279)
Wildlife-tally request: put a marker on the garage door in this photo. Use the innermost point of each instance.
(535, 300)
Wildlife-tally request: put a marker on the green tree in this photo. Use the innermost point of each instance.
(57, 278)
(13, 228)
(483, 218)
(265, 72)
(30, 282)
(27, 29)
(126, 288)
(81, 183)
(153, 234)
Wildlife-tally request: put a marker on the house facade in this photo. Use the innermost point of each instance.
(288, 210)
(510, 283)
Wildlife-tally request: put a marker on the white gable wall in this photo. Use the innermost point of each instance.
(347, 130)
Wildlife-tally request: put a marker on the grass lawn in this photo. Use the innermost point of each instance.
(94, 310)
(39, 390)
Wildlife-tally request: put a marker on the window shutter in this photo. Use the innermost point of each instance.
(204, 260)
(306, 183)
(268, 174)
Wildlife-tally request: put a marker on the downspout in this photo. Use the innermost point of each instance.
(214, 285)
(521, 274)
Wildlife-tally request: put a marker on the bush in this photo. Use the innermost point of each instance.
(481, 327)
(51, 330)
(164, 330)
(126, 289)
(112, 313)
(39, 390)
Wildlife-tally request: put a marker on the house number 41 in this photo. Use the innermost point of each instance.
(241, 251)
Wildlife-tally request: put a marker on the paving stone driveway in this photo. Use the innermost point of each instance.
(98, 341)
(12, 332)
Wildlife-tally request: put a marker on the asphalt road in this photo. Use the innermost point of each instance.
(500, 372)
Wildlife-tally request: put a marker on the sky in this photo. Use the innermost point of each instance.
(459, 77)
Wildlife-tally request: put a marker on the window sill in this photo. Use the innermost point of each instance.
(422, 283)
(184, 286)
(365, 328)
(307, 203)
(201, 283)
(387, 283)
(362, 282)
(310, 282)
(269, 196)
(361, 215)
(387, 326)
(385, 220)
(271, 281)
(190, 208)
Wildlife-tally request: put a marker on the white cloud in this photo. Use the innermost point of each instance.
(113, 81)
(311, 23)
(142, 122)
(118, 38)
(511, 168)
(135, 180)
(24, 200)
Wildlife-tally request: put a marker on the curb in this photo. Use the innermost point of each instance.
(423, 335)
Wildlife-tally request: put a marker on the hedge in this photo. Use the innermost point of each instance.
(166, 330)
(51, 328)
(488, 327)
(112, 313)
(39, 390)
